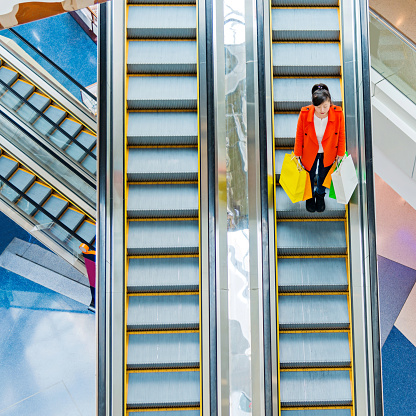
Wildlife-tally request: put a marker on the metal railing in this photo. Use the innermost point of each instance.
(393, 55)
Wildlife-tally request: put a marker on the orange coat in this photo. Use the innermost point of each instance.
(333, 142)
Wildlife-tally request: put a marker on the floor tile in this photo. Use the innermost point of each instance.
(395, 283)
(45, 338)
(396, 226)
(406, 322)
(399, 375)
(52, 401)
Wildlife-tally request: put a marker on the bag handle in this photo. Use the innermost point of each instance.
(298, 164)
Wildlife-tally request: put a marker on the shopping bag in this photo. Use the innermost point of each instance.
(293, 178)
(345, 180)
(332, 191)
(328, 179)
(308, 189)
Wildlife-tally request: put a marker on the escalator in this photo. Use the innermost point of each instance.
(162, 308)
(46, 212)
(314, 326)
(47, 117)
(48, 161)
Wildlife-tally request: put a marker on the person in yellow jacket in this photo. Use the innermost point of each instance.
(320, 139)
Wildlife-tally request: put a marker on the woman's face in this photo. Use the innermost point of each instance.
(322, 110)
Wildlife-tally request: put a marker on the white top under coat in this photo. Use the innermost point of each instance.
(320, 126)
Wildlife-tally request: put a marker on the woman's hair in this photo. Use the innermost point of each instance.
(320, 94)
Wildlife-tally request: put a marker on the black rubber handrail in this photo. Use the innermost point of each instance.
(43, 115)
(43, 210)
(43, 146)
(57, 67)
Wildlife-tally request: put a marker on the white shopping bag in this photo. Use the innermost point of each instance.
(345, 180)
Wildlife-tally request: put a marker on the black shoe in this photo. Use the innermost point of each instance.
(310, 205)
(320, 203)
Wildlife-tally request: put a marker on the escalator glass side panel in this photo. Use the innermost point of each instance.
(47, 117)
(48, 215)
(162, 211)
(315, 360)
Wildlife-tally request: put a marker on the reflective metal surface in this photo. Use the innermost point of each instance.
(239, 277)
(49, 85)
(363, 270)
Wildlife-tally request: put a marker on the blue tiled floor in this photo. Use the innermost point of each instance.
(62, 40)
(47, 350)
(395, 283)
(9, 230)
(399, 375)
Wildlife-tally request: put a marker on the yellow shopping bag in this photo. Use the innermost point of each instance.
(293, 178)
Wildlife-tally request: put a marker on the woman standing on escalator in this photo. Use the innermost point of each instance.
(320, 139)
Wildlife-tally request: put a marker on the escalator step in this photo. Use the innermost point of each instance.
(39, 193)
(162, 128)
(285, 208)
(315, 388)
(162, 2)
(153, 22)
(311, 238)
(72, 219)
(163, 389)
(321, 349)
(305, 24)
(305, 59)
(7, 166)
(159, 164)
(316, 412)
(313, 312)
(69, 126)
(22, 180)
(305, 3)
(84, 138)
(167, 412)
(55, 206)
(53, 113)
(163, 312)
(168, 201)
(159, 57)
(162, 92)
(90, 163)
(312, 275)
(87, 231)
(291, 94)
(8, 76)
(170, 350)
(38, 101)
(163, 274)
(285, 129)
(22, 88)
(162, 237)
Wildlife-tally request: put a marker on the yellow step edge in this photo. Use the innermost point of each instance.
(313, 256)
(163, 370)
(161, 409)
(312, 331)
(306, 77)
(158, 331)
(144, 294)
(313, 293)
(305, 369)
(162, 219)
(311, 219)
(165, 110)
(304, 7)
(160, 4)
(304, 42)
(160, 40)
(161, 256)
(317, 407)
(161, 146)
(162, 182)
(162, 75)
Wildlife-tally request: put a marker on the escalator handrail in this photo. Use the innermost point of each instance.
(43, 146)
(57, 67)
(44, 211)
(393, 29)
(43, 115)
(48, 85)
